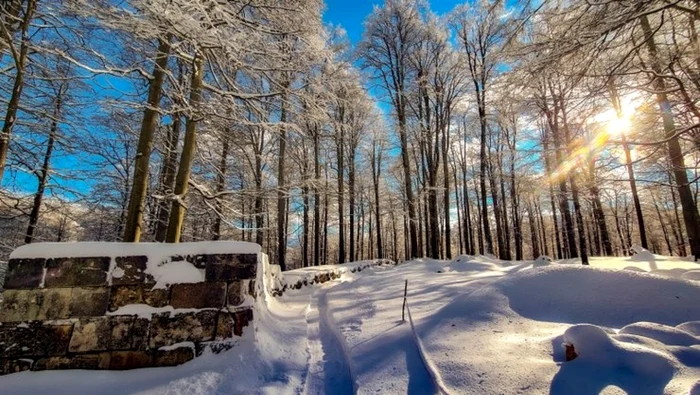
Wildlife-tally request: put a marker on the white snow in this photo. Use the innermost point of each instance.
(146, 311)
(156, 251)
(177, 345)
(179, 272)
(160, 263)
(476, 325)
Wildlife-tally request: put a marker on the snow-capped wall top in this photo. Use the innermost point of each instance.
(155, 251)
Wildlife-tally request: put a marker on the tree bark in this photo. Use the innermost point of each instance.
(44, 172)
(220, 186)
(177, 211)
(691, 218)
(139, 188)
(20, 59)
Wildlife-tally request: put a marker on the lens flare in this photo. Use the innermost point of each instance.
(619, 126)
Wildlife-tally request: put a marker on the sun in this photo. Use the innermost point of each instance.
(618, 126)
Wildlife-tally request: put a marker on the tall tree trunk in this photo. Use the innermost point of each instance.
(20, 58)
(317, 197)
(663, 226)
(446, 192)
(482, 181)
(260, 212)
(548, 168)
(44, 172)
(220, 186)
(282, 197)
(376, 174)
(405, 162)
(340, 151)
(168, 177)
(139, 188)
(177, 211)
(351, 197)
(691, 218)
(630, 168)
(533, 233)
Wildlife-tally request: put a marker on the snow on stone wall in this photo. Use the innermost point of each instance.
(123, 306)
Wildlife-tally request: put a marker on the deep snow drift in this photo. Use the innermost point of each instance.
(480, 326)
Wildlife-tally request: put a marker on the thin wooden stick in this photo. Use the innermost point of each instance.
(405, 290)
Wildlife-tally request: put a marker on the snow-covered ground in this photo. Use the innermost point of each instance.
(482, 326)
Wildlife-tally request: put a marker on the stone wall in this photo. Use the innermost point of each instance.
(105, 312)
(299, 278)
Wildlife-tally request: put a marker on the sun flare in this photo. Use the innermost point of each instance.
(618, 126)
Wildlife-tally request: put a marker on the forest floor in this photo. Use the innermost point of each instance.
(479, 326)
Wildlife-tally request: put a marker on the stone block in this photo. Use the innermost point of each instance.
(24, 273)
(122, 295)
(76, 272)
(241, 320)
(91, 334)
(140, 331)
(21, 305)
(235, 293)
(89, 302)
(167, 330)
(96, 361)
(224, 326)
(122, 328)
(174, 357)
(9, 366)
(198, 295)
(130, 270)
(198, 261)
(36, 338)
(55, 304)
(123, 360)
(228, 267)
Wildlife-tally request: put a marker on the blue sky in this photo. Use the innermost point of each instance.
(352, 13)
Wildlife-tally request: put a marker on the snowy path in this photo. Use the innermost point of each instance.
(330, 370)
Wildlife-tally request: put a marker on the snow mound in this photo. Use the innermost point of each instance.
(640, 254)
(542, 260)
(692, 327)
(693, 275)
(668, 335)
(603, 361)
(179, 272)
(466, 263)
(614, 298)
